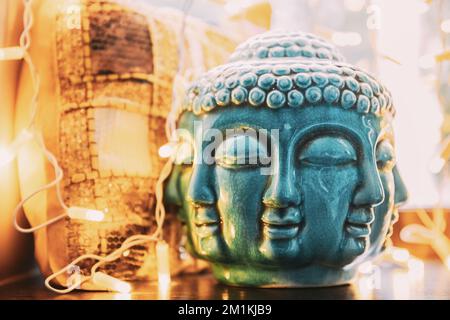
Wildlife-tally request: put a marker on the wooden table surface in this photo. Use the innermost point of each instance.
(388, 283)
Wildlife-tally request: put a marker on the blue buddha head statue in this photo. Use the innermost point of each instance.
(285, 173)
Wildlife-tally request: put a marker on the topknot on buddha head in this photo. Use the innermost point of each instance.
(288, 69)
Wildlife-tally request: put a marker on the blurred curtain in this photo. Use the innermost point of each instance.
(16, 254)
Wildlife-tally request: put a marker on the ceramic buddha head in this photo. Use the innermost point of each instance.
(286, 173)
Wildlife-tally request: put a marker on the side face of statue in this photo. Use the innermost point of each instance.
(286, 196)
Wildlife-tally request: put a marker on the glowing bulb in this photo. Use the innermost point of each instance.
(338, 39)
(6, 156)
(8, 153)
(353, 39)
(400, 254)
(166, 150)
(163, 265)
(445, 26)
(365, 287)
(163, 288)
(354, 5)
(346, 38)
(22, 138)
(235, 7)
(12, 53)
(401, 285)
(366, 268)
(110, 283)
(427, 61)
(436, 165)
(85, 214)
(225, 295)
(416, 268)
(162, 257)
(447, 262)
(122, 296)
(422, 7)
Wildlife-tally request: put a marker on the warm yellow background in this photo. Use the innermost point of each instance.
(16, 254)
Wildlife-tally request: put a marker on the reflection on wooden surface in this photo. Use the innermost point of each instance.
(388, 283)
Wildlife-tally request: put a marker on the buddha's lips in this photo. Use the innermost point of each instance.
(282, 216)
(206, 221)
(206, 215)
(278, 232)
(281, 223)
(206, 230)
(395, 217)
(358, 222)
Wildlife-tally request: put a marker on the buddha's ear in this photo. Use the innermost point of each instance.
(172, 189)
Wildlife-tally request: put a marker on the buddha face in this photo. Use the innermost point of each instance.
(325, 197)
(387, 213)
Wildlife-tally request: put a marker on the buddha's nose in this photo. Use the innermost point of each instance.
(201, 191)
(282, 192)
(370, 193)
(401, 193)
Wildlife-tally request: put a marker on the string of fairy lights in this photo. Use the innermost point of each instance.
(431, 232)
(100, 280)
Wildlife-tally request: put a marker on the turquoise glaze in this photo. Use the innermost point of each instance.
(285, 174)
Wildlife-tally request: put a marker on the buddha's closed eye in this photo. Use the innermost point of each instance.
(241, 151)
(328, 151)
(385, 156)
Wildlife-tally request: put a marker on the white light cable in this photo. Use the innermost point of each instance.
(58, 177)
(25, 42)
(126, 245)
(159, 191)
(72, 212)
